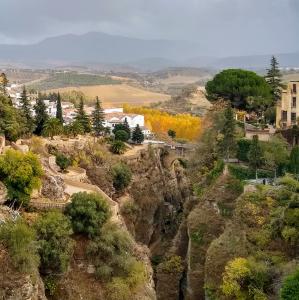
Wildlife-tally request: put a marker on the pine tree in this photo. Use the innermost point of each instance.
(274, 80)
(98, 118)
(255, 155)
(59, 113)
(26, 111)
(228, 143)
(3, 83)
(41, 115)
(82, 117)
(137, 136)
(127, 127)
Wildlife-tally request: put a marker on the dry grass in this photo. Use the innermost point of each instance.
(182, 79)
(118, 94)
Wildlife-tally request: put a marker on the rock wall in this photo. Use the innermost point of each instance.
(159, 195)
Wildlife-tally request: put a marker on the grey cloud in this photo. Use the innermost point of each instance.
(223, 27)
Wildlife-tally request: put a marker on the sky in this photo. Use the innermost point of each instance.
(222, 27)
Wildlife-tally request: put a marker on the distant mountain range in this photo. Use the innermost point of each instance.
(108, 51)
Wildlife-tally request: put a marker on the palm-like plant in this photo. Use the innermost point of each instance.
(74, 128)
(52, 127)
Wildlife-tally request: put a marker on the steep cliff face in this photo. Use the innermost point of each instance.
(154, 209)
(206, 222)
(15, 285)
(157, 193)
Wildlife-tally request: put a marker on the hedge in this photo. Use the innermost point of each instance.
(243, 149)
(245, 173)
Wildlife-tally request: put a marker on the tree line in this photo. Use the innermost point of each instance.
(21, 122)
(246, 90)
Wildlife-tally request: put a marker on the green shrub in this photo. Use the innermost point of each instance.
(21, 173)
(183, 163)
(20, 240)
(291, 183)
(173, 264)
(63, 161)
(121, 135)
(130, 209)
(197, 236)
(282, 195)
(292, 217)
(50, 284)
(246, 278)
(118, 147)
(243, 149)
(235, 185)
(290, 287)
(55, 244)
(244, 173)
(216, 171)
(88, 213)
(122, 176)
(290, 234)
(118, 289)
(112, 254)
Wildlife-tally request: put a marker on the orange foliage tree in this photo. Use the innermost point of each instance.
(185, 125)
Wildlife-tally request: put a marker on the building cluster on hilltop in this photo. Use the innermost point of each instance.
(113, 116)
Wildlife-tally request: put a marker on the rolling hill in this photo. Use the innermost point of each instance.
(104, 51)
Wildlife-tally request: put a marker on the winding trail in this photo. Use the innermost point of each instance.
(73, 186)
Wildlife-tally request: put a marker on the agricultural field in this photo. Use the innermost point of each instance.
(117, 94)
(67, 79)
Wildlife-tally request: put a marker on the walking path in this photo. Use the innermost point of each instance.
(74, 185)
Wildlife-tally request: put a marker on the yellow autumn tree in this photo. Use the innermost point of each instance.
(186, 126)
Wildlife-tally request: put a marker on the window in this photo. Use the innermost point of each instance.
(284, 116)
(293, 117)
(294, 102)
(294, 88)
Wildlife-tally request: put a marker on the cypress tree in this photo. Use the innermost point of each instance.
(255, 154)
(228, 143)
(127, 127)
(82, 117)
(137, 136)
(59, 113)
(98, 118)
(41, 115)
(273, 77)
(26, 111)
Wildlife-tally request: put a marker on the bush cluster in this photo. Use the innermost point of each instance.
(244, 173)
(122, 176)
(88, 213)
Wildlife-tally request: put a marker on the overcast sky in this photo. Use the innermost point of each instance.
(223, 27)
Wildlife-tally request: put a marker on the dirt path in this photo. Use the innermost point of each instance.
(135, 150)
(73, 186)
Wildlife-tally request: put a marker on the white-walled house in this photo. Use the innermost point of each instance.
(112, 119)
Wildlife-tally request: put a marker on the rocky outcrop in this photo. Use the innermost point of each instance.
(53, 187)
(18, 286)
(3, 193)
(206, 222)
(158, 194)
